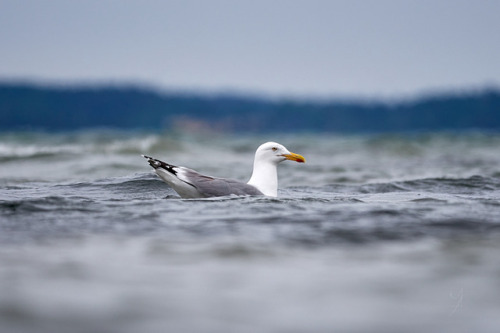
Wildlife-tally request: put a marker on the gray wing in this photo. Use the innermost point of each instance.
(217, 187)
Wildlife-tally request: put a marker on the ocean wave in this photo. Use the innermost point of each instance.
(33, 146)
(468, 185)
(25, 152)
(45, 204)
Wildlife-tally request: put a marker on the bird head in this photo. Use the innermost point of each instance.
(275, 153)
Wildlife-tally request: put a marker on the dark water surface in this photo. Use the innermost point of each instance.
(374, 233)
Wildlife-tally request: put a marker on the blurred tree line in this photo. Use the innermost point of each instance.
(31, 107)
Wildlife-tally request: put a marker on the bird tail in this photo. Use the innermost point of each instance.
(155, 163)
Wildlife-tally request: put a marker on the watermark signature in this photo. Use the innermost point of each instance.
(458, 297)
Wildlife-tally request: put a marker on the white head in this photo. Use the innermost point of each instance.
(275, 153)
(265, 174)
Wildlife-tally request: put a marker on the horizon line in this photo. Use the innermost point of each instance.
(235, 92)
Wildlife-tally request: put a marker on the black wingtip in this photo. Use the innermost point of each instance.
(160, 164)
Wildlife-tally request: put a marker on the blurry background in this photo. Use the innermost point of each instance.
(333, 65)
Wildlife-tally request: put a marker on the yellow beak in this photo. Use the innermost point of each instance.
(295, 157)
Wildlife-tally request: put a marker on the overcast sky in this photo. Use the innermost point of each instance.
(306, 48)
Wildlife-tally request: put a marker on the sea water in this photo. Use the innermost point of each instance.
(375, 233)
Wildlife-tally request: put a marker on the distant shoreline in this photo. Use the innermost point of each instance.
(61, 108)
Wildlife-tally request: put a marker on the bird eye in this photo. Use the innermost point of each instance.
(274, 148)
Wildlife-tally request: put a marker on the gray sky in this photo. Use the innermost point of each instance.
(365, 48)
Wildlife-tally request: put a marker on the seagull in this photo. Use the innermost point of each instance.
(264, 181)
